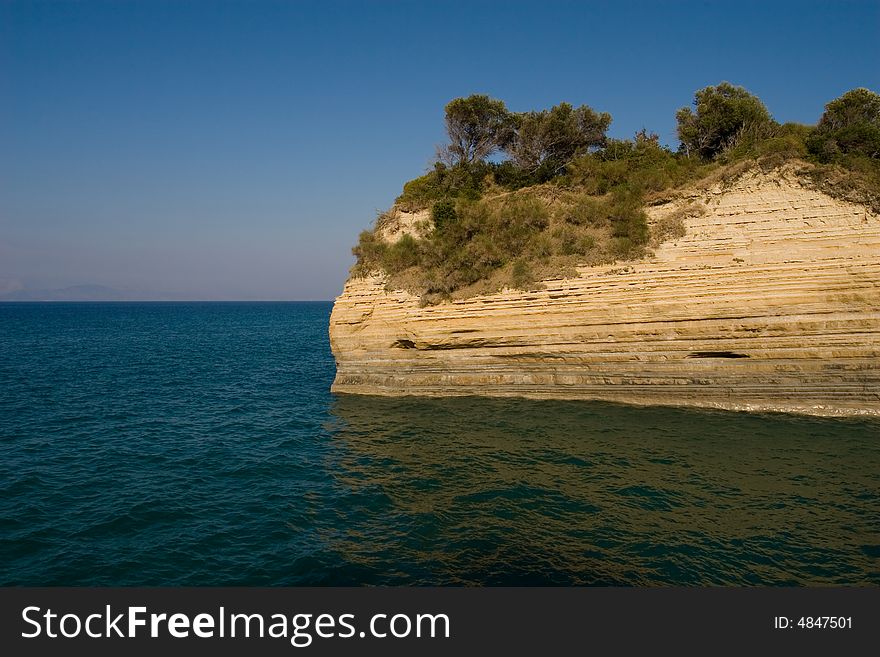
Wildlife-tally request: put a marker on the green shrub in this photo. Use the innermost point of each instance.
(571, 241)
(670, 227)
(586, 244)
(596, 176)
(517, 222)
(781, 142)
(443, 213)
(623, 247)
(630, 223)
(509, 175)
(402, 254)
(639, 163)
(521, 275)
(443, 182)
(589, 211)
(422, 191)
(370, 253)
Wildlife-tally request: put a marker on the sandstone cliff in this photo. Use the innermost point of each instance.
(771, 301)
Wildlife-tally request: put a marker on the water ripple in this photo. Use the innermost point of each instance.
(187, 444)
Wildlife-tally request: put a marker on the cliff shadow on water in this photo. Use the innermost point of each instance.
(495, 491)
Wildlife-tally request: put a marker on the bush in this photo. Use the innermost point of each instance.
(370, 252)
(779, 143)
(402, 254)
(443, 213)
(509, 175)
(640, 163)
(623, 247)
(572, 241)
(586, 211)
(672, 226)
(596, 176)
(521, 275)
(444, 183)
(631, 223)
(668, 228)
(628, 219)
(422, 191)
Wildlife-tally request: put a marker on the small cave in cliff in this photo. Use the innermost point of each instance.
(716, 354)
(403, 344)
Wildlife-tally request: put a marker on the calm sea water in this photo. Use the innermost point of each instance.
(171, 444)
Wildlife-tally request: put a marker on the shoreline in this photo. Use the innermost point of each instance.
(757, 408)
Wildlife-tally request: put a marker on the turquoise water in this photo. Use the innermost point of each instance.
(170, 444)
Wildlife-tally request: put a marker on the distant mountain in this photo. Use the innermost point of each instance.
(72, 293)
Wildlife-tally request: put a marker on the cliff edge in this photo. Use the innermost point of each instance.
(769, 302)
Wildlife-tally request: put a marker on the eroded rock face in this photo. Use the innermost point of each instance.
(771, 301)
(398, 223)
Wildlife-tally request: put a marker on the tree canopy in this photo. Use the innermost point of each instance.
(566, 195)
(550, 139)
(477, 126)
(850, 124)
(721, 115)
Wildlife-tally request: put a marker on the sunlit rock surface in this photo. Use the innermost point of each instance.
(771, 301)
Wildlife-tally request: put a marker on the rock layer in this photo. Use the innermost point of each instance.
(771, 301)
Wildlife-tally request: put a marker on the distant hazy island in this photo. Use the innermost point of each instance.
(740, 271)
(84, 293)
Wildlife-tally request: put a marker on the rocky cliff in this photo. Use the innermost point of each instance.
(770, 301)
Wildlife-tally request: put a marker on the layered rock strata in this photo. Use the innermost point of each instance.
(771, 301)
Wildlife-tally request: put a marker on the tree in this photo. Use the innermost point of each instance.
(850, 124)
(477, 127)
(723, 115)
(550, 139)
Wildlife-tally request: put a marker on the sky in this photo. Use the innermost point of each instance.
(234, 150)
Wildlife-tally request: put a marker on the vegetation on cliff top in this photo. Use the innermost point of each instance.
(564, 193)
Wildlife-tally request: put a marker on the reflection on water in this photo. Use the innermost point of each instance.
(491, 491)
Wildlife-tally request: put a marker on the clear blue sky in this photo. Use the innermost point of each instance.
(234, 150)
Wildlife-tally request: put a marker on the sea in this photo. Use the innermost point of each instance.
(199, 444)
